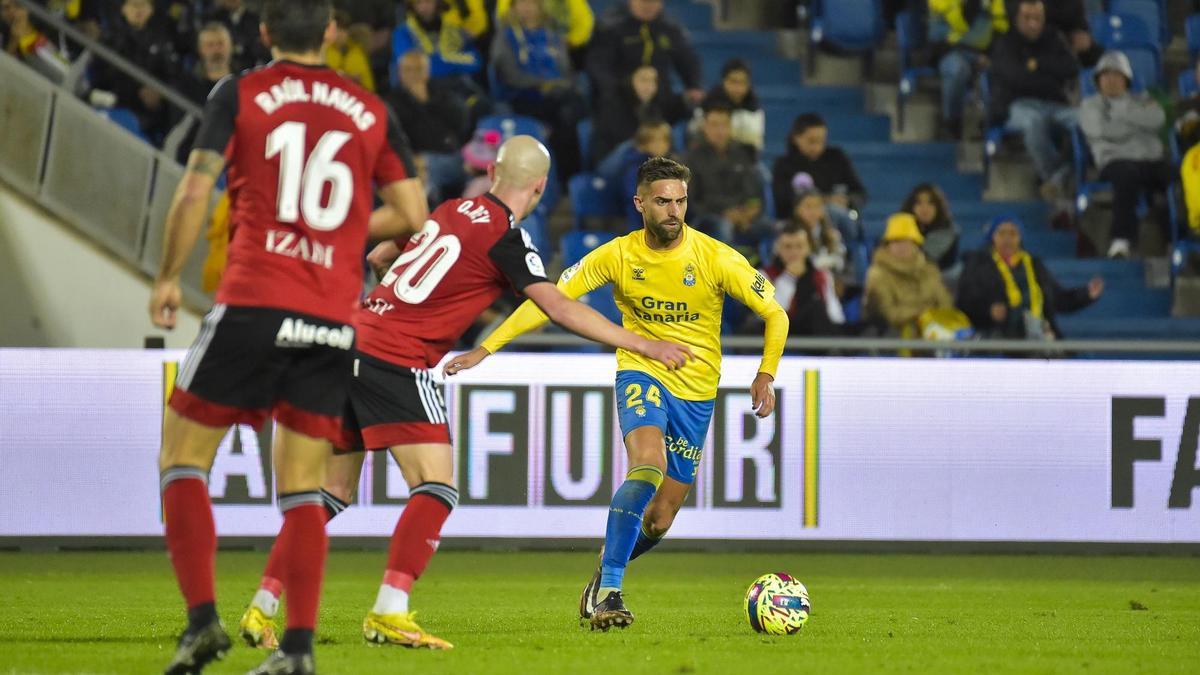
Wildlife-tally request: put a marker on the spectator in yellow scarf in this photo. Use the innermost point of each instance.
(1009, 293)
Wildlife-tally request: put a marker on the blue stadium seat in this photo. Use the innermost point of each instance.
(514, 125)
(852, 25)
(583, 131)
(1187, 84)
(592, 197)
(124, 118)
(1147, 65)
(1116, 30)
(578, 243)
(1191, 30)
(910, 36)
(1152, 12)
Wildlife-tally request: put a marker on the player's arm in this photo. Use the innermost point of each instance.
(185, 218)
(752, 289)
(405, 208)
(583, 320)
(560, 304)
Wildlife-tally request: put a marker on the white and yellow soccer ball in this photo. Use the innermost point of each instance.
(777, 604)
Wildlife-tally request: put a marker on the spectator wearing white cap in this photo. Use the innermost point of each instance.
(1122, 129)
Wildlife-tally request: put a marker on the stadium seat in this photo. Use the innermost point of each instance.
(1152, 12)
(514, 125)
(910, 36)
(124, 118)
(1147, 65)
(583, 131)
(592, 197)
(1116, 30)
(578, 243)
(1187, 84)
(1191, 30)
(854, 26)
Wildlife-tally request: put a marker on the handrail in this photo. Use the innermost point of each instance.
(844, 345)
(122, 64)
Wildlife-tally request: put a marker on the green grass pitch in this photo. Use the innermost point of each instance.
(516, 613)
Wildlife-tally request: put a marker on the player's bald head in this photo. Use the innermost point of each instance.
(522, 161)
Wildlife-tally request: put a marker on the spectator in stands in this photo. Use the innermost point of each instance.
(901, 284)
(1032, 68)
(573, 17)
(653, 139)
(453, 59)
(639, 99)
(928, 204)
(829, 168)
(726, 189)
(82, 14)
(24, 41)
(1122, 130)
(347, 56)
(1009, 293)
(1069, 17)
(371, 25)
(533, 73)
(148, 45)
(961, 33)
(808, 293)
(1187, 110)
(829, 249)
(436, 122)
(736, 92)
(243, 24)
(214, 58)
(635, 34)
(477, 156)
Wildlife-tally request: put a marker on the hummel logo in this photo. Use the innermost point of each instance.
(433, 543)
(639, 274)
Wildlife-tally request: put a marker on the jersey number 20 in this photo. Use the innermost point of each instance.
(421, 268)
(302, 181)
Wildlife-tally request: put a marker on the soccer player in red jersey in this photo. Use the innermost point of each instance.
(304, 146)
(442, 278)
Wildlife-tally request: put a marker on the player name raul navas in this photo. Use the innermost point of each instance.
(293, 91)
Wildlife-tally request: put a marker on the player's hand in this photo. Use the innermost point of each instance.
(762, 394)
(465, 361)
(165, 298)
(670, 354)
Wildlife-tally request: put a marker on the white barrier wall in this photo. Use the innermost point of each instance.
(864, 449)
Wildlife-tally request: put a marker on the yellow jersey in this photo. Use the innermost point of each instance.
(675, 295)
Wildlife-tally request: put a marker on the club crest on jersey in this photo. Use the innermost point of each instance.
(639, 273)
(689, 275)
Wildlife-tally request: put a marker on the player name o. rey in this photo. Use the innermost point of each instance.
(293, 245)
(293, 91)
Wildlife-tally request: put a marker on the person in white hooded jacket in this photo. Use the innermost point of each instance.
(1122, 129)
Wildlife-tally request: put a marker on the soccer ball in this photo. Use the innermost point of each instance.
(777, 604)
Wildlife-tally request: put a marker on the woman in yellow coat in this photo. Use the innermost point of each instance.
(901, 284)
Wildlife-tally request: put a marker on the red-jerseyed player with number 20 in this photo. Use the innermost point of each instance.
(459, 263)
(304, 146)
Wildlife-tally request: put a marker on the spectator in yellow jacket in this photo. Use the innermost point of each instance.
(901, 284)
(574, 17)
(347, 56)
(961, 32)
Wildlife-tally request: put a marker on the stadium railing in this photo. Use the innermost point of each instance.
(99, 178)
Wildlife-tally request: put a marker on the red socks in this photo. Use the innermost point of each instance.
(272, 578)
(190, 532)
(302, 545)
(418, 532)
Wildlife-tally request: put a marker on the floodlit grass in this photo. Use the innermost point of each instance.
(516, 613)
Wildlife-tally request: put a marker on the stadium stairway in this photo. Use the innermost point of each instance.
(1128, 308)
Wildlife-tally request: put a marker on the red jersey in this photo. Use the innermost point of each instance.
(303, 145)
(467, 254)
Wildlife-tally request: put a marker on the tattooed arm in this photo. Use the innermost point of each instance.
(185, 219)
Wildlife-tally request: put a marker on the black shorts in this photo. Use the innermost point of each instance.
(251, 363)
(392, 405)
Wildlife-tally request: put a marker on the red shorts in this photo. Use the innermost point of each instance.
(392, 405)
(251, 363)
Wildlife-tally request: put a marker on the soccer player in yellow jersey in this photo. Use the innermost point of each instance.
(670, 283)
